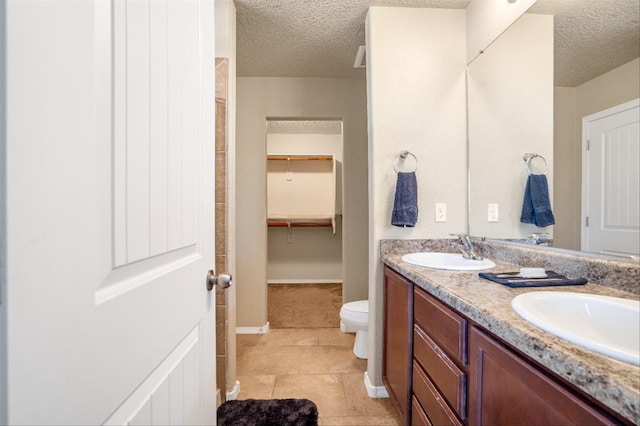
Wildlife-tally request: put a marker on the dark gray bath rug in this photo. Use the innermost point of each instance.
(268, 412)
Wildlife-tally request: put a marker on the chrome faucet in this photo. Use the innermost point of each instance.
(466, 247)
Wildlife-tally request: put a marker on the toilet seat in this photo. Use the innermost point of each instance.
(357, 312)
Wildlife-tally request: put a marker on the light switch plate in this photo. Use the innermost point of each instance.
(493, 212)
(441, 212)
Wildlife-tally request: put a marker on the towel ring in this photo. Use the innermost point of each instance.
(528, 157)
(403, 156)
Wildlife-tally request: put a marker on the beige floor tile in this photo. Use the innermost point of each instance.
(335, 337)
(313, 363)
(269, 360)
(243, 340)
(358, 401)
(278, 338)
(330, 360)
(325, 390)
(256, 387)
(293, 337)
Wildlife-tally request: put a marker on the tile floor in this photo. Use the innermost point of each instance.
(305, 355)
(313, 363)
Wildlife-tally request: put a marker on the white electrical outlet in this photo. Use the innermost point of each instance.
(441, 212)
(493, 213)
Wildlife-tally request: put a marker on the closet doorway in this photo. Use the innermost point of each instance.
(304, 217)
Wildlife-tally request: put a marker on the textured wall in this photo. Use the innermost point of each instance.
(613, 88)
(416, 102)
(260, 98)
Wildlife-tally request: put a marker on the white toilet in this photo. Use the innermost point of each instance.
(354, 317)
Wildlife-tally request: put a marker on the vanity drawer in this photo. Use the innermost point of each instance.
(439, 413)
(443, 372)
(446, 327)
(418, 416)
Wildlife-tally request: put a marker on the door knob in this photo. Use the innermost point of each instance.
(223, 280)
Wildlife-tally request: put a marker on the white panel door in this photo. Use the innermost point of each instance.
(110, 139)
(611, 181)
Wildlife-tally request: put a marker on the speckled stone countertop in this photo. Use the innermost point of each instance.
(615, 383)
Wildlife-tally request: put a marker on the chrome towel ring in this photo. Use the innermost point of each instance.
(527, 159)
(403, 156)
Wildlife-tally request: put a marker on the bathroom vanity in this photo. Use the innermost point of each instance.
(455, 353)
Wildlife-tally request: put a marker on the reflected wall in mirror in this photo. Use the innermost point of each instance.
(510, 96)
(487, 19)
(596, 66)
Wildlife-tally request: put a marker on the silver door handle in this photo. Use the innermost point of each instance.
(223, 280)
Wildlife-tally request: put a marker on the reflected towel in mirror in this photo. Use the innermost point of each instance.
(536, 207)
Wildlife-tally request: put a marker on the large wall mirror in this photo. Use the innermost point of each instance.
(528, 93)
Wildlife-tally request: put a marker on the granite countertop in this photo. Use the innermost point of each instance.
(615, 383)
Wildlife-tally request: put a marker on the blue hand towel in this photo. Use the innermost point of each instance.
(536, 207)
(405, 203)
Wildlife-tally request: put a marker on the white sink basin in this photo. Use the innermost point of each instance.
(450, 261)
(608, 325)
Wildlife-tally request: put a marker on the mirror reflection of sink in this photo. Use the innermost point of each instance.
(449, 261)
(608, 325)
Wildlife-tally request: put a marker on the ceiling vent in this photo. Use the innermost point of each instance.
(361, 58)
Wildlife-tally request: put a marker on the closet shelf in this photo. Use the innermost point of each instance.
(301, 222)
(301, 191)
(297, 157)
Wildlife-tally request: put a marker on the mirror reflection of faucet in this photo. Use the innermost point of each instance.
(534, 239)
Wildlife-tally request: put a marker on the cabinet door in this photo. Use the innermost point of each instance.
(397, 346)
(506, 390)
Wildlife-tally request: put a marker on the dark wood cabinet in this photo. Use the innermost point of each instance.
(418, 416)
(447, 327)
(431, 401)
(398, 341)
(440, 354)
(505, 389)
(441, 368)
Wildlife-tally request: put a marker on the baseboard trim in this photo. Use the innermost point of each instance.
(253, 330)
(233, 395)
(306, 281)
(374, 391)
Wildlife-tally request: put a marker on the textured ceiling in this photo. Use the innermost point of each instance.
(591, 36)
(308, 38)
(320, 38)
